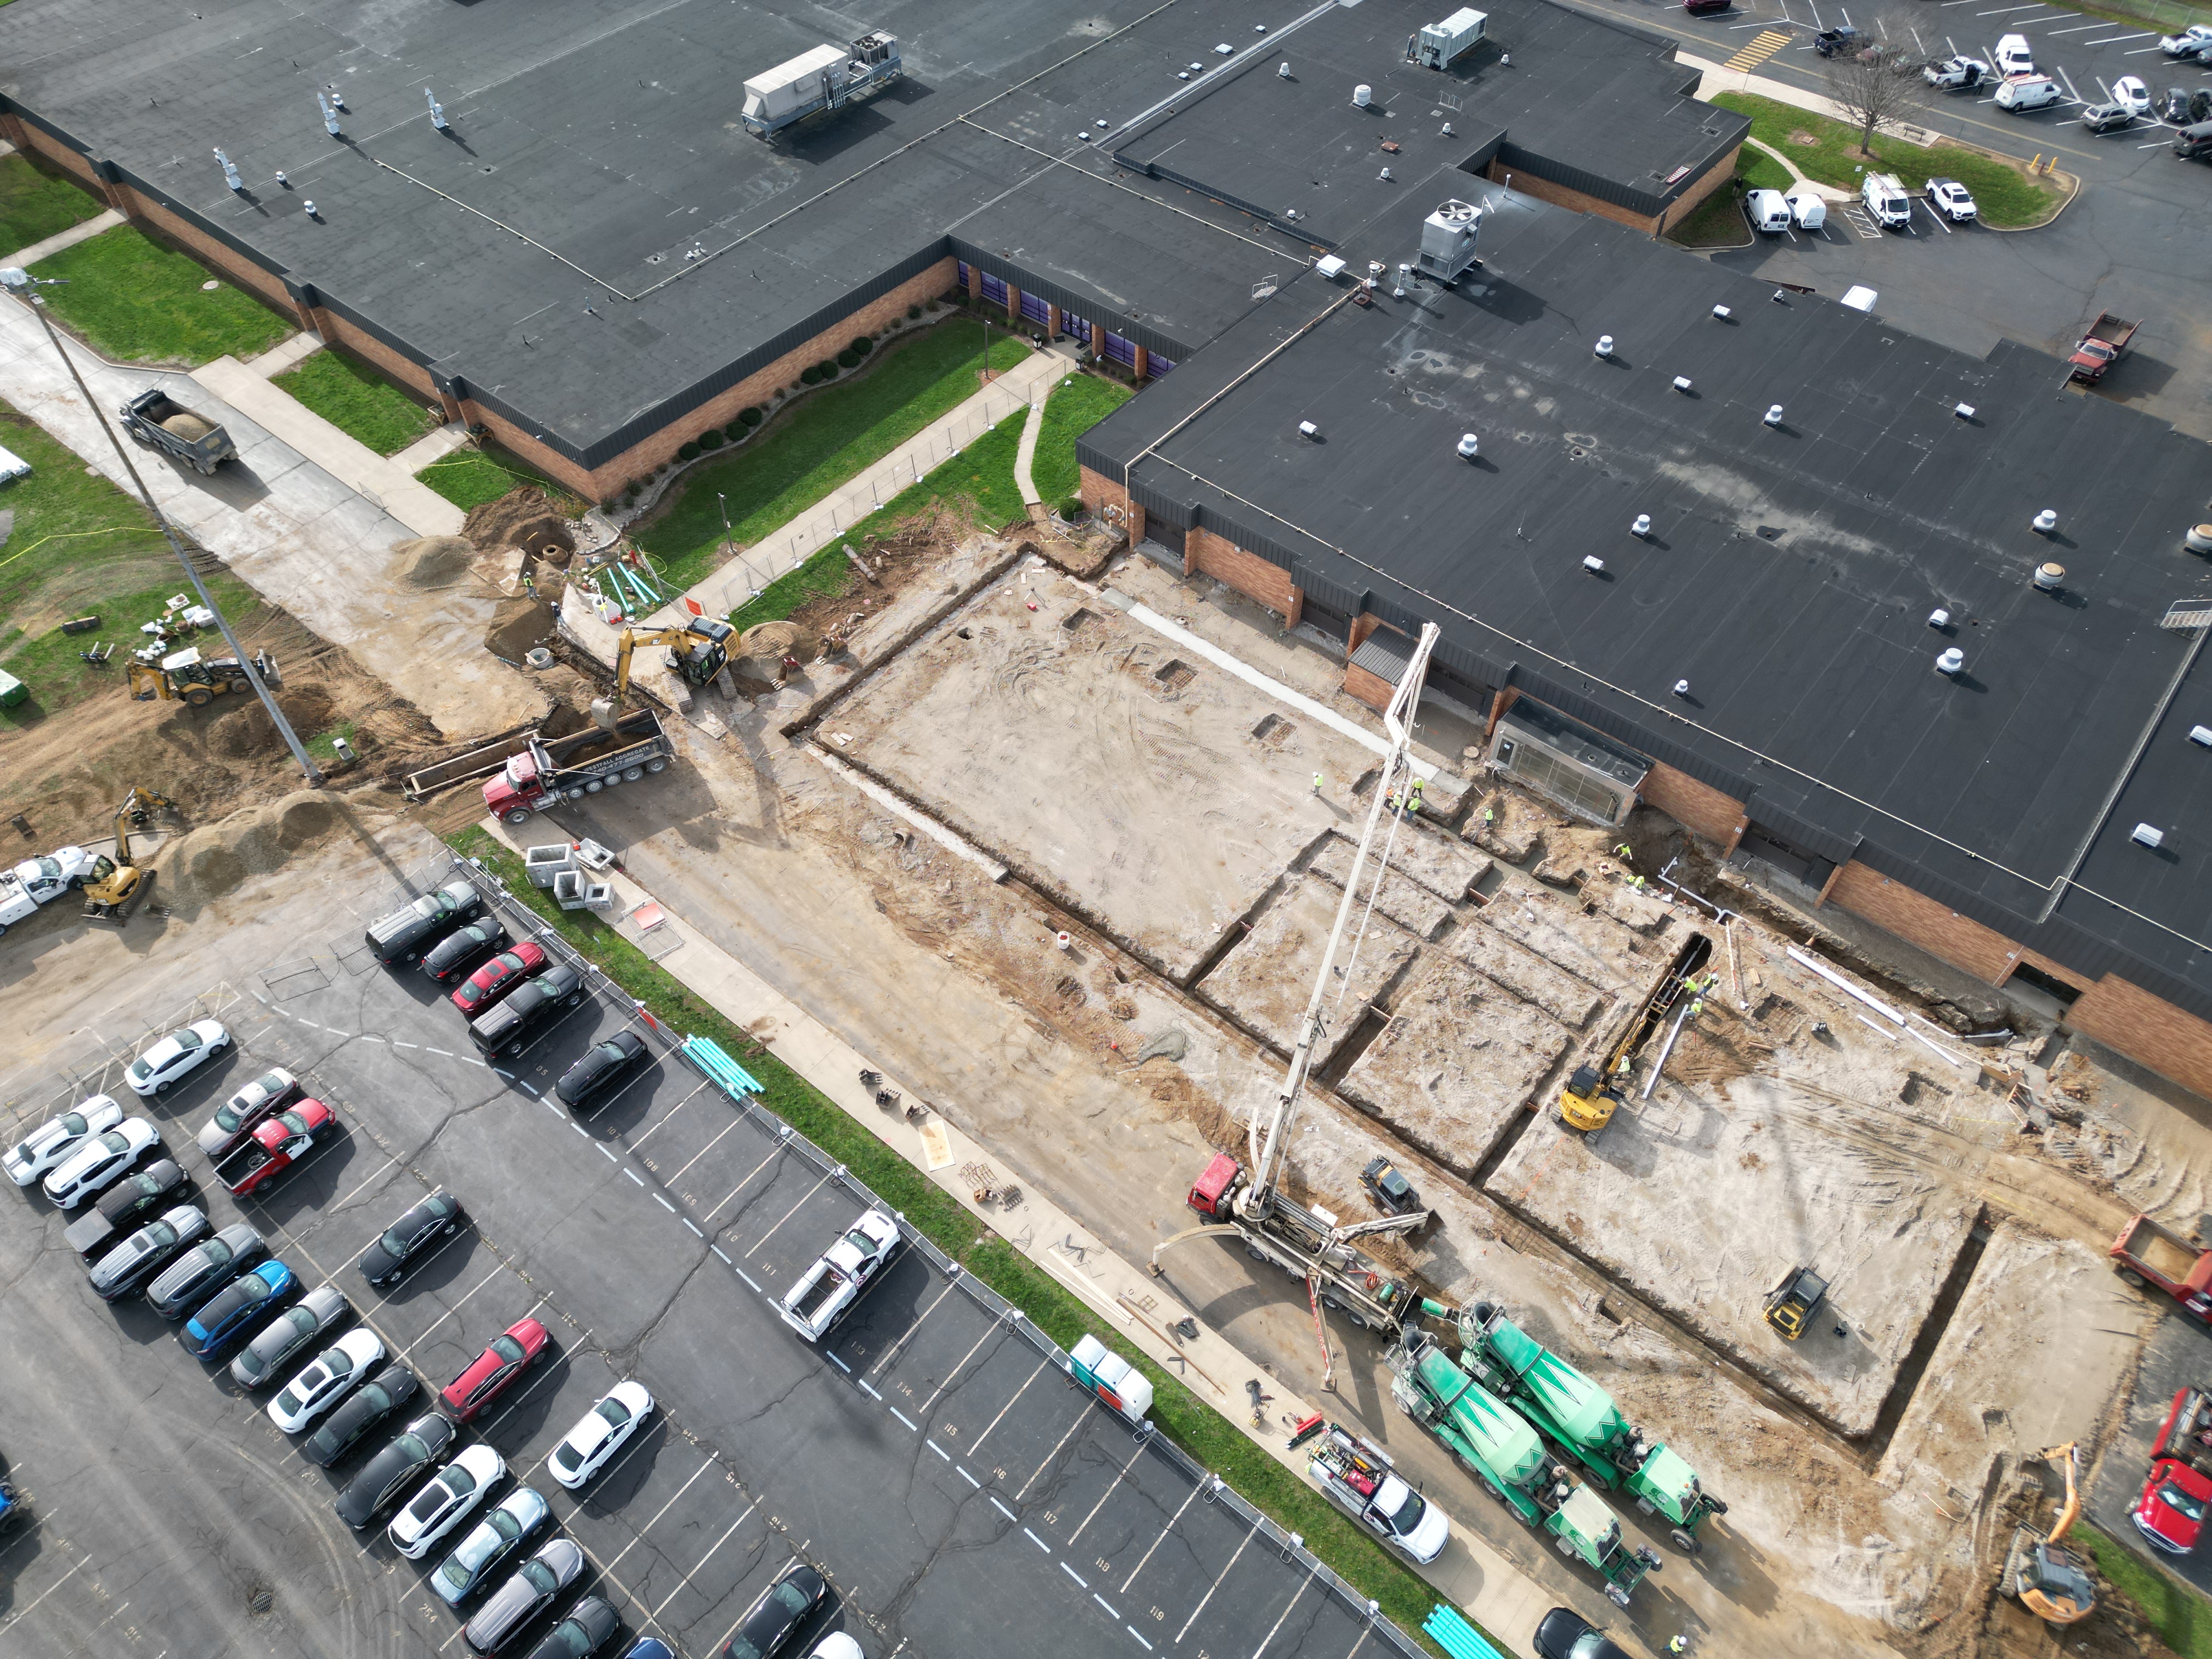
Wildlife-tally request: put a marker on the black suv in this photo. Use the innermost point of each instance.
(404, 935)
(534, 1007)
(407, 1240)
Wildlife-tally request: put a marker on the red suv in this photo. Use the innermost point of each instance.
(509, 1355)
(498, 976)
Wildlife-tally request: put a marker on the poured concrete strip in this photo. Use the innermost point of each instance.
(1374, 743)
(928, 826)
(1025, 453)
(61, 239)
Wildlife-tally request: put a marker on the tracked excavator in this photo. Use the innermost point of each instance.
(697, 651)
(115, 885)
(1594, 1092)
(2051, 1580)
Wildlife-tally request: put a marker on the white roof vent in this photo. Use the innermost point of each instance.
(1721, 314)
(1963, 412)
(1642, 526)
(1362, 95)
(1604, 347)
(1308, 429)
(1681, 383)
(1939, 617)
(2050, 577)
(1682, 688)
(2201, 735)
(2148, 834)
(1330, 266)
(2046, 521)
(1469, 446)
(1952, 661)
(1774, 414)
(1596, 566)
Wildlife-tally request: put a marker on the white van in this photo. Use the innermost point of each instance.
(2029, 92)
(1807, 208)
(2014, 56)
(1885, 198)
(1767, 210)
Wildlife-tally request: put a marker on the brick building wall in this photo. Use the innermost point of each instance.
(1105, 497)
(1206, 553)
(1560, 195)
(2141, 1026)
(1717, 817)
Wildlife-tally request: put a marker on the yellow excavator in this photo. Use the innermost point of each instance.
(1593, 1093)
(115, 885)
(187, 677)
(2049, 1580)
(697, 653)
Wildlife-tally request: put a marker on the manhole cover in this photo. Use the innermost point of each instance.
(260, 1599)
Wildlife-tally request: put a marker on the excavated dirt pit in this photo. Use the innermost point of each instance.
(1265, 982)
(1112, 771)
(1411, 906)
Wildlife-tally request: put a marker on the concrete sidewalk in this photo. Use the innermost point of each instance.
(304, 538)
(1470, 1574)
(344, 457)
(61, 239)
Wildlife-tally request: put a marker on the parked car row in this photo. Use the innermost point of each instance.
(510, 991)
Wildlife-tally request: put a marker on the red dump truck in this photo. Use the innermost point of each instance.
(2101, 349)
(2149, 1254)
(545, 771)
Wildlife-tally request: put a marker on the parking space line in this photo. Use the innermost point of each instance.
(1109, 1606)
(733, 1123)
(1147, 1646)
(955, 1372)
(975, 1444)
(906, 1335)
(1216, 1584)
(1278, 1624)
(903, 1417)
(1038, 1541)
(634, 1175)
(790, 1212)
(717, 1250)
(1358, 1642)
(1165, 1532)
(657, 1513)
(711, 1548)
(43, 1594)
(1002, 1509)
(427, 1049)
(1111, 1488)
(692, 1224)
(938, 1450)
(748, 1174)
(1081, 1418)
(608, 1153)
(671, 1113)
(969, 1479)
(747, 1277)
(865, 1384)
(456, 1307)
(838, 1363)
(1076, 1576)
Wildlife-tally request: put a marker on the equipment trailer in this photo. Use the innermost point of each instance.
(1579, 1418)
(1496, 1445)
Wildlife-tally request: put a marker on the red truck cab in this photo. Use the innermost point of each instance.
(517, 787)
(275, 1147)
(1209, 1194)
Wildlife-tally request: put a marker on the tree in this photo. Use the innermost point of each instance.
(1873, 80)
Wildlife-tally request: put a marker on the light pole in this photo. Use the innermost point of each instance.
(16, 280)
(730, 545)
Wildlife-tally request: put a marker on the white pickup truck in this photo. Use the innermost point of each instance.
(1356, 1476)
(827, 1291)
(15, 903)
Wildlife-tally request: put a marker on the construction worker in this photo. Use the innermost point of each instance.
(1415, 804)
(1624, 853)
(1677, 1644)
(1317, 783)
(1489, 817)
(1390, 799)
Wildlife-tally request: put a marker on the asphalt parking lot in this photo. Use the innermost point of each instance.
(2177, 1355)
(934, 1461)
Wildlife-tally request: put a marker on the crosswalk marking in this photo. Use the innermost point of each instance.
(1760, 47)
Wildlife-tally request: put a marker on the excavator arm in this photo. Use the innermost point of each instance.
(147, 684)
(695, 654)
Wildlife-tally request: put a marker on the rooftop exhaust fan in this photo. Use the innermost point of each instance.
(1469, 446)
(2050, 577)
(1952, 661)
(1448, 238)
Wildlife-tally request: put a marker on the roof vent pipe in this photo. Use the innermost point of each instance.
(1963, 412)
(2050, 577)
(1939, 617)
(1642, 526)
(1469, 446)
(1283, 69)
(1682, 688)
(1604, 347)
(2046, 521)
(1362, 95)
(2197, 538)
(1774, 414)
(1951, 661)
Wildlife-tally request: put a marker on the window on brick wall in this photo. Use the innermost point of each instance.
(994, 288)
(967, 277)
(1122, 351)
(1035, 310)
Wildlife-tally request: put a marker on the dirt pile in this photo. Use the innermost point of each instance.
(188, 427)
(214, 859)
(518, 626)
(433, 561)
(522, 518)
(248, 730)
(774, 641)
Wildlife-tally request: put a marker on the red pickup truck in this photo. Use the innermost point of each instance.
(2148, 1252)
(2101, 349)
(275, 1147)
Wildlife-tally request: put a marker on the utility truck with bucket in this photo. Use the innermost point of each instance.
(1249, 1203)
(1497, 1447)
(1578, 1416)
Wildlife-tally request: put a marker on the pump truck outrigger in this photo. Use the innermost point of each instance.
(1310, 1244)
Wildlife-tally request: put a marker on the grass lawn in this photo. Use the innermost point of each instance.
(1076, 405)
(33, 207)
(359, 402)
(805, 453)
(1716, 221)
(2003, 192)
(79, 546)
(2180, 1615)
(469, 478)
(135, 301)
(1199, 1431)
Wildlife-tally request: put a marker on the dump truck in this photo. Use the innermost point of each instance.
(1578, 1416)
(2100, 348)
(1497, 1446)
(2148, 1252)
(159, 421)
(1357, 1476)
(2186, 1433)
(283, 1141)
(188, 678)
(544, 771)
(826, 78)
(829, 1289)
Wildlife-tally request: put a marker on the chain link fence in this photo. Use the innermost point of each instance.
(1288, 1546)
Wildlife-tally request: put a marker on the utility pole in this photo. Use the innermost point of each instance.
(16, 279)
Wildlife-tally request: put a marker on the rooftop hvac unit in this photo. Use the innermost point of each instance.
(1447, 237)
(825, 78)
(1438, 44)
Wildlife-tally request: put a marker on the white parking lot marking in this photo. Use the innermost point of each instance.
(906, 1335)
(1104, 1603)
(672, 1111)
(788, 1214)
(635, 1176)
(1214, 1586)
(1038, 1541)
(1076, 1576)
(969, 1479)
(661, 1201)
(711, 1548)
(1165, 1532)
(704, 1151)
(456, 1307)
(1278, 1624)
(747, 1277)
(865, 1385)
(904, 1419)
(838, 1363)
(1108, 1493)
(657, 1513)
(987, 1334)
(373, 1175)
(43, 1595)
(1004, 1511)
(1081, 1418)
(938, 1450)
(427, 1049)
(750, 1174)
(977, 1442)
(1143, 1644)
(693, 1225)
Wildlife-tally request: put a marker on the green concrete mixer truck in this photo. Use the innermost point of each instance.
(1579, 1418)
(1502, 1451)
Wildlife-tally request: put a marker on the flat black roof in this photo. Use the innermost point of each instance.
(1789, 572)
(536, 253)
